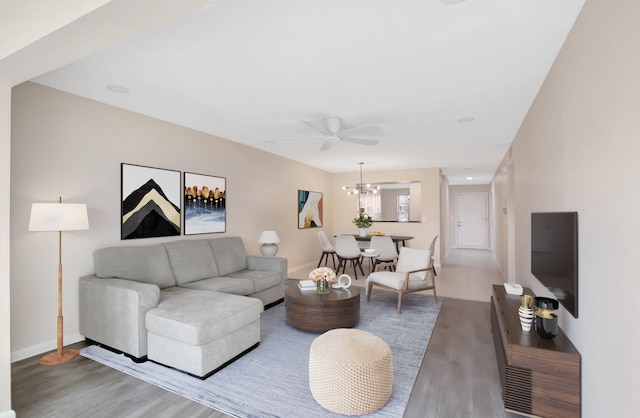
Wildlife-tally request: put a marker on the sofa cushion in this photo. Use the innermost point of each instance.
(241, 287)
(262, 279)
(146, 264)
(230, 254)
(191, 260)
(195, 317)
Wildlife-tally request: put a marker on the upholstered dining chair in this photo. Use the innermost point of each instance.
(385, 248)
(327, 250)
(432, 248)
(347, 250)
(412, 272)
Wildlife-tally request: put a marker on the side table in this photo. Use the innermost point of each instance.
(370, 257)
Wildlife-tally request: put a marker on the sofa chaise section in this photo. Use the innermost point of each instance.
(198, 332)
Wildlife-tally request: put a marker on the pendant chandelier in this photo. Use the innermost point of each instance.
(361, 188)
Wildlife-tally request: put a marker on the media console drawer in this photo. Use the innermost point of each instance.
(539, 377)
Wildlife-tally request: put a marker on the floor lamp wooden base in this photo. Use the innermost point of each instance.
(54, 358)
(60, 355)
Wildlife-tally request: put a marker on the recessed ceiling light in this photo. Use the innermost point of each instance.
(469, 178)
(117, 89)
(465, 120)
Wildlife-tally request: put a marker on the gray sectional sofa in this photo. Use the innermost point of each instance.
(190, 304)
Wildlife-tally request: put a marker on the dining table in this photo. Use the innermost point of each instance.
(395, 238)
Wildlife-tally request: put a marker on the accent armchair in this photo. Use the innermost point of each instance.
(412, 272)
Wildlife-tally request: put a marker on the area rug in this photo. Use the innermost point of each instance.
(272, 380)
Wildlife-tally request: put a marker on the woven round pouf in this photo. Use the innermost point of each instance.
(350, 371)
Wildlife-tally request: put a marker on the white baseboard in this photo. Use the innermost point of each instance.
(43, 348)
(8, 414)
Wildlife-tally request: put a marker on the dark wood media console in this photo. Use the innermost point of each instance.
(539, 377)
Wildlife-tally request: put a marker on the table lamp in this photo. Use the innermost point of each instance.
(58, 217)
(268, 239)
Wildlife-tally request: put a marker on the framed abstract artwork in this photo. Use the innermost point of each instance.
(150, 202)
(205, 204)
(309, 209)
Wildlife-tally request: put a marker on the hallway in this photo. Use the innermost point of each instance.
(468, 275)
(459, 374)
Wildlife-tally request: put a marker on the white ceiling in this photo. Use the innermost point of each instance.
(250, 70)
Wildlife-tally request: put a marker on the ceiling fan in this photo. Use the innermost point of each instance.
(332, 132)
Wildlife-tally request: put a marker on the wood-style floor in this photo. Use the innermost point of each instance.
(458, 376)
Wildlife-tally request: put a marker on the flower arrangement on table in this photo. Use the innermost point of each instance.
(322, 276)
(362, 220)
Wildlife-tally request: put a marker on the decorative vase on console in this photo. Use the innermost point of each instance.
(526, 312)
(323, 276)
(546, 320)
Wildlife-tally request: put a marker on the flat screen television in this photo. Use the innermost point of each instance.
(554, 255)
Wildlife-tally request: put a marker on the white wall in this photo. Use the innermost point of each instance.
(578, 150)
(5, 187)
(66, 145)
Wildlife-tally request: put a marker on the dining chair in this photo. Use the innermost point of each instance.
(385, 248)
(412, 272)
(432, 248)
(327, 249)
(347, 250)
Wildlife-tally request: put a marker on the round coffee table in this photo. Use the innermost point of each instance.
(311, 312)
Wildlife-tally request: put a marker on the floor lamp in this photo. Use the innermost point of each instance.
(58, 217)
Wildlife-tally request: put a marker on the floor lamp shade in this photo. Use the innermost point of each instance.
(58, 217)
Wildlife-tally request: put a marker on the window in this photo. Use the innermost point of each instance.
(403, 207)
(371, 203)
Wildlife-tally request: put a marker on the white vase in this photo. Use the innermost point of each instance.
(526, 318)
(363, 232)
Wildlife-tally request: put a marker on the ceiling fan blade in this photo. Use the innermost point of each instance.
(359, 140)
(295, 138)
(325, 146)
(315, 126)
(357, 128)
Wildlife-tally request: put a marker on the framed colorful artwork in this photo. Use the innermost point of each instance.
(150, 202)
(309, 209)
(205, 204)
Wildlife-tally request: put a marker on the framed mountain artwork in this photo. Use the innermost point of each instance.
(205, 204)
(150, 202)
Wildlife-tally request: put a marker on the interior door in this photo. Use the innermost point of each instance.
(472, 220)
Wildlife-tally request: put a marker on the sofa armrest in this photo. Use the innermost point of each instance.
(112, 312)
(255, 262)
